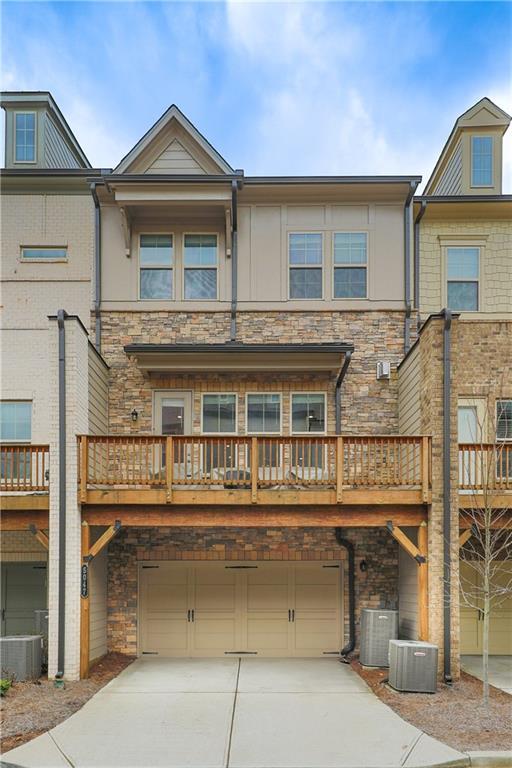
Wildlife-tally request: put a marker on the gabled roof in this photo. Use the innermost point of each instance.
(159, 131)
(34, 99)
(485, 113)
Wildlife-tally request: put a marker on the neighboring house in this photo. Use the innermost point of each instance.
(256, 460)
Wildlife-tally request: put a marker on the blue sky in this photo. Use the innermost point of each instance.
(278, 88)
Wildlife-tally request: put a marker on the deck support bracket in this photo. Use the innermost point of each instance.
(406, 543)
(419, 554)
(40, 536)
(466, 535)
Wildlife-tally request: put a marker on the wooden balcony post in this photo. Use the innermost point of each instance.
(423, 583)
(169, 466)
(425, 468)
(339, 469)
(85, 617)
(84, 467)
(254, 470)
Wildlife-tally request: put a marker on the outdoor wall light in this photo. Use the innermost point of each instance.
(363, 566)
(135, 415)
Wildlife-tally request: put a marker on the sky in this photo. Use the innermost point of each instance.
(277, 88)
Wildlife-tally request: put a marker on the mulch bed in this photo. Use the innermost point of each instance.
(454, 715)
(31, 708)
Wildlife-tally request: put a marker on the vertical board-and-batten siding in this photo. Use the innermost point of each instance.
(409, 415)
(175, 159)
(57, 154)
(450, 181)
(98, 394)
(98, 606)
(408, 591)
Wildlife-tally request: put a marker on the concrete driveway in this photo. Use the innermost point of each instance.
(242, 713)
(500, 670)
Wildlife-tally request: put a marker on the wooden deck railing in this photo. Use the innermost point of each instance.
(252, 463)
(485, 466)
(24, 467)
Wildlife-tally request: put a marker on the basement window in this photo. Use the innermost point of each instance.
(462, 269)
(156, 262)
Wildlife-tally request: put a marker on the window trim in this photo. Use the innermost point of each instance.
(481, 136)
(477, 280)
(184, 234)
(55, 260)
(172, 268)
(220, 434)
(501, 439)
(24, 112)
(301, 392)
(18, 441)
(306, 266)
(270, 434)
(348, 266)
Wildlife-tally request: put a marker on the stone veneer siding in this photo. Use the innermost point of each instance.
(368, 405)
(375, 588)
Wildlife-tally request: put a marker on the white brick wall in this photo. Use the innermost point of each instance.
(76, 423)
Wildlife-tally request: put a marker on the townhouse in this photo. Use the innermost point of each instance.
(235, 425)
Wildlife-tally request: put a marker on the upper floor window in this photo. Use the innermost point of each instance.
(31, 253)
(305, 259)
(156, 266)
(504, 420)
(16, 421)
(350, 265)
(308, 412)
(219, 414)
(481, 161)
(462, 272)
(200, 264)
(25, 137)
(264, 413)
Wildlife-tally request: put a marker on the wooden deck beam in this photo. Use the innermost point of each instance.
(21, 520)
(21, 502)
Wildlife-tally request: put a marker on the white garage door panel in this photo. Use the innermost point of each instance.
(210, 609)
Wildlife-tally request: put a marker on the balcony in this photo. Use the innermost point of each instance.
(241, 470)
(485, 475)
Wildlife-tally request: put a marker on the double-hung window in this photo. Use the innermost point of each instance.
(219, 414)
(481, 161)
(15, 427)
(462, 270)
(25, 137)
(156, 266)
(305, 263)
(350, 265)
(504, 438)
(264, 413)
(200, 257)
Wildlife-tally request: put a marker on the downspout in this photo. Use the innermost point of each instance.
(407, 266)
(61, 317)
(234, 258)
(97, 267)
(349, 647)
(447, 485)
(337, 392)
(421, 213)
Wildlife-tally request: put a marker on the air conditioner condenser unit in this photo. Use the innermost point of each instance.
(413, 666)
(378, 627)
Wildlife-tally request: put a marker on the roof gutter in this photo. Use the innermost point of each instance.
(407, 264)
(97, 267)
(419, 216)
(337, 393)
(61, 317)
(447, 493)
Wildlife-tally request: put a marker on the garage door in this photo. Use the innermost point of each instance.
(471, 619)
(218, 609)
(23, 592)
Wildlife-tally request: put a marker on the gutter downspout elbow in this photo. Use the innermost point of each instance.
(421, 213)
(348, 545)
(97, 266)
(61, 318)
(337, 392)
(447, 487)
(234, 258)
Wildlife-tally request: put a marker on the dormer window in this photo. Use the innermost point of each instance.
(481, 161)
(25, 123)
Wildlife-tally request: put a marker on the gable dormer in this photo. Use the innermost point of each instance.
(471, 162)
(173, 146)
(36, 134)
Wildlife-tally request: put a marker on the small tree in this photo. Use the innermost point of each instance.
(485, 472)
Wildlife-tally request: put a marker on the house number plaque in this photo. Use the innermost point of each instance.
(84, 581)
